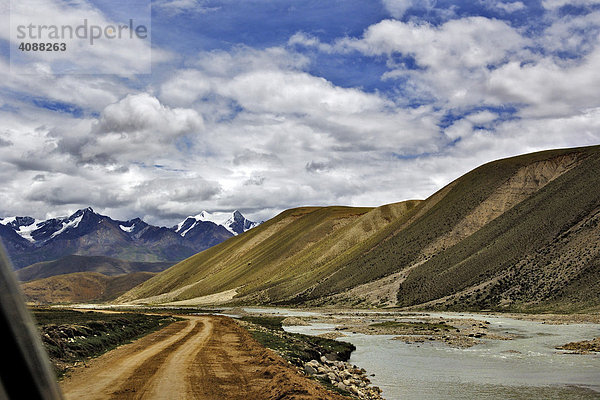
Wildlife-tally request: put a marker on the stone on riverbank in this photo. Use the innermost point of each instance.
(344, 376)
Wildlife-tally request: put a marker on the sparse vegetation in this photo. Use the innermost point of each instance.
(414, 326)
(73, 336)
(295, 347)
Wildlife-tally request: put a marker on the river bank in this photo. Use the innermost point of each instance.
(415, 355)
(322, 359)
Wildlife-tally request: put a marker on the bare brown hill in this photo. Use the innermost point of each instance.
(79, 263)
(514, 234)
(81, 287)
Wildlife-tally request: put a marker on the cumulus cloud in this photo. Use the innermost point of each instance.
(142, 113)
(248, 156)
(296, 92)
(547, 89)
(116, 53)
(456, 57)
(185, 87)
(318, 166)
(398, 8)
(306, 40)
(137, 126)
(91, 93)
(554, 4)
(508, 7)
(266, 128)
(177, 7)
(5, 142)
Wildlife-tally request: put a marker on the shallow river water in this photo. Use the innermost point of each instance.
(527, 367)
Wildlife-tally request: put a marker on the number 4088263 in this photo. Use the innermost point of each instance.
(25, 46)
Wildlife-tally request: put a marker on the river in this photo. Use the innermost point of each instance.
(527, 367)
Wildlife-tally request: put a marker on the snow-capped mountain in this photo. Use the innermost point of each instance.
(39, 231)
(237, 223)
(234, 222)
(88, 233)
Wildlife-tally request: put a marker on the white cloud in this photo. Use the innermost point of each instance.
(554, 4)
(254, 129)
(244, 59)
(482, 117)
(91, 93)
(398, 8)
(142, 113)
(508, 7)
(177, 7)
(547, 89)
(468, 43)
(296, 92)
(185, 87)
(95, 44)
(306, 40)
(577, 35)
(473, 61)
(455, 58)
(139, 126)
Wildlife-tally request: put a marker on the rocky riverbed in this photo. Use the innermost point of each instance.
(344, 376)
(319, 357)
(527, 365)
(582, 347)
(417, 328)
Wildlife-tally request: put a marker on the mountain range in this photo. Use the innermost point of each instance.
(521, 234)
(88, 233)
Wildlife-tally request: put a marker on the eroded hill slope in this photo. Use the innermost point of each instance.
(517, 233)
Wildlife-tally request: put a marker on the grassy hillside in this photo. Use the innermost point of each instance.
(81, 287)
(528, 227)
(519, 233)
(515, 260)
(283, 255)
(74, 263)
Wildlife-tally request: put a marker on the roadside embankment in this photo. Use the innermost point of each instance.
(322, 359)
(71, 337)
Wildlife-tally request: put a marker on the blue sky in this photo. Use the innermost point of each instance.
(266, 105)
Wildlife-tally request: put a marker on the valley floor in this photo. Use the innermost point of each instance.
(202, 357)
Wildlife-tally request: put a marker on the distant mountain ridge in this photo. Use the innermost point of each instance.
(86, 232)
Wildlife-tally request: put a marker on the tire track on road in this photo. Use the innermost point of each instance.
(172, 380)
(98, 380)
(204, 358)
(139, 382)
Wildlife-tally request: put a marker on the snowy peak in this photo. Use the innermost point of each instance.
(86, 232)
(39, 231)
(23, 226)
(234, 222)
(216, 218)
(86, 220)
(185, 226)
(17, 222)
(237, 223)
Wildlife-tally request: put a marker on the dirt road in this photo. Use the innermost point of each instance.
(204, 357)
